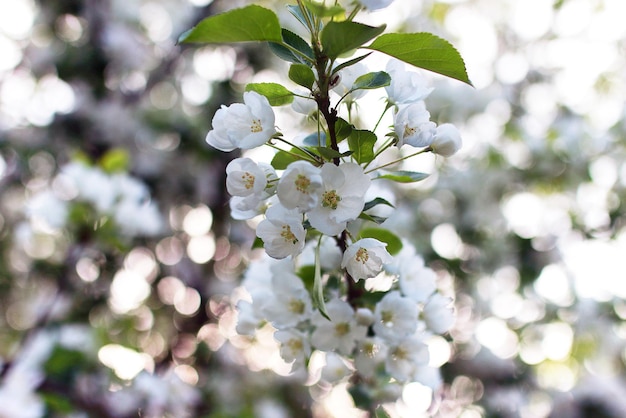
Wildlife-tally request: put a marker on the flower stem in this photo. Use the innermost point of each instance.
(399, 159)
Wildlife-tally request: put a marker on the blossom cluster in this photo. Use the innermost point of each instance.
(310, 219)
(325, 248)
(120, 197)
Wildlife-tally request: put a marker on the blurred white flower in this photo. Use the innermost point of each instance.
(341, 332)
(47, 208)
(405, 357)
(244, 126)
(438, 313)
(290, 304)
(365, 258)
(371, 352)
(294, 347)
(342, 198)
(395, 317)
(335, 368)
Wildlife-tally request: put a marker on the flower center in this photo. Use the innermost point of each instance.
(386, 318)
(362, 255)
(408, 131)
(399, 353)
(302, 183)
(342, 329)
(248, 180)
(370, 349)
(296, 306)
(295, 345)
(288, 235)
(331, 199)
(256, 126)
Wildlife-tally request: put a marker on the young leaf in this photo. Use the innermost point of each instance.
(423, 50)
(329, 153)
(302, 75)
(394, 244)
(247, 24)
(341, 37)
(371, 81)
(318, 287)
(376, 202)
(342, 129)
(350, 62)
(295, 42)
(298, 14)
(283, 158)
(404, 176)
(325, 11)
(276, 94)
(372, 218)
(361, 144)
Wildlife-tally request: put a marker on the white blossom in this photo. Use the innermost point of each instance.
(282, 232)
(304, 105)
(364, 258)
(242, 125)
(342, 198)
(412, 125)
(405, 86)
(299, 186)
(335, 368)
(375, 4)
(416, 280)
(447, 140)
(347, 77)
(371, 353)
(341, 332)
(290, 303)
(244, 177)
(405, 357)
(395, 317)
(438, 313)
(47, 208)
(294, 347)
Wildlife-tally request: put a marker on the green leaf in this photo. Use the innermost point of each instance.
(423, 50)
(318, 287)
(372, 218)
(283, 158)
(329, 153)
(115, 160)
(297, 13)
(376, 202)
(361, 396)
(341, 37)
(361, 144)
(394, 243)
(302, 75)
(295, 42)
(321, 10)
(342, 129)
(247, 24)
(349, 63)
(404, 176)
(371, 81)
(276, 94)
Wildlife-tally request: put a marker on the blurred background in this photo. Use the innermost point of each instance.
(120, 265)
